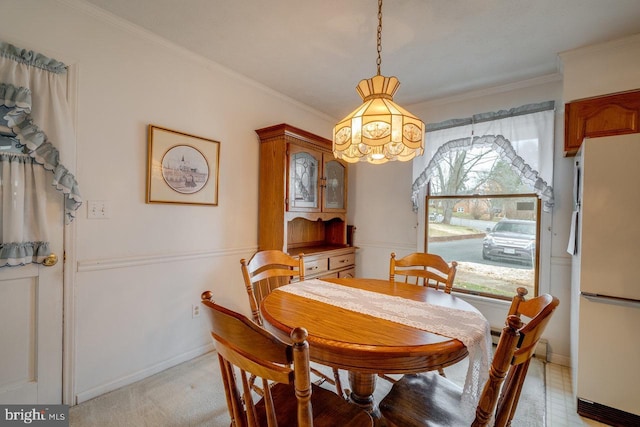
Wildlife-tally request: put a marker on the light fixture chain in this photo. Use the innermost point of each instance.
(379, 60)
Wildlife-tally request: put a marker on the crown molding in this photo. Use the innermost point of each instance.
(493, 90)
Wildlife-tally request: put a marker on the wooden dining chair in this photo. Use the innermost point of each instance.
(430, 400)
(267, 270)
(264, 272)
(421, 268)
(290, 399)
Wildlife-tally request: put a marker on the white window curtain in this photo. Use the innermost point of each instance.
(34, 115)
(522, 136)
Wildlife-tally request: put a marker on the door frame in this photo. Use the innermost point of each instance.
(69, 257)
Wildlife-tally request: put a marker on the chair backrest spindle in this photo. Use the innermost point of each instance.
(424, 269)
(267, 270)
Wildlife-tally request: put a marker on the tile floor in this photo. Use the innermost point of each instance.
(561, 405)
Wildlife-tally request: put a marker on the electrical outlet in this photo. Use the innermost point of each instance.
(195, 311)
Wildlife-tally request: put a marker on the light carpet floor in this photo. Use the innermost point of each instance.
(191, 395)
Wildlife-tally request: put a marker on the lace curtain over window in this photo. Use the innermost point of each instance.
(523, 137)
(32, 100)
(24, 233)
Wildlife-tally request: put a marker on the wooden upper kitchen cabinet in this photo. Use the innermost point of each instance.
(303, 200)
(614, 114)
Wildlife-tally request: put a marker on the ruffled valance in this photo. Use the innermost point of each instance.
(32, 58)
(504, 149)
(14, 254)
(36, 144)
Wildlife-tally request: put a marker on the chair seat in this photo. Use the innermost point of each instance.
(329, 409)
(425, 400)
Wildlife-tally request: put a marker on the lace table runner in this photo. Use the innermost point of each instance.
(470, 327)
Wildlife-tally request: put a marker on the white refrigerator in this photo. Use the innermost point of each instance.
(605, 243)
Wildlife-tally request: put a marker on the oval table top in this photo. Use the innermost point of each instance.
(359, 342)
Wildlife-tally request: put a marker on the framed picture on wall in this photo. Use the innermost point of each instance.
(182, 168)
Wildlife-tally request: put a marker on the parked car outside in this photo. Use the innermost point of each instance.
(511, 239)
(435, 217)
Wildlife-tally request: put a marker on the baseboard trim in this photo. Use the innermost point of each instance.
(559, 359)
(140, 375)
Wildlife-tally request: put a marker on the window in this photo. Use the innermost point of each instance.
(483, 216)
(480, 191)
(494, 241)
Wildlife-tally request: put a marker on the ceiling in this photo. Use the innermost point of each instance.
(316, 52)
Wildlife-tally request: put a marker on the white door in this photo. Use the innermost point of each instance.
(31, 297)
(31, 322)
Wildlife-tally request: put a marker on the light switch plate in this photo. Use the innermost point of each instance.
(97, 209)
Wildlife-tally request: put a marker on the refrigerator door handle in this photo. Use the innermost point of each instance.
(608, 299)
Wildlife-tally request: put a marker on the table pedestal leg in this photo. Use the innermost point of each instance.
(362, 388)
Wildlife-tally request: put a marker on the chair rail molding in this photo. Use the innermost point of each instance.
(134, 261)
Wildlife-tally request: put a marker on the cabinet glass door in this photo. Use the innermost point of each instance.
(334, 186)
(303, 181)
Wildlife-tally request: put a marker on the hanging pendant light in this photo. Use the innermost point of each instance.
(379, 130)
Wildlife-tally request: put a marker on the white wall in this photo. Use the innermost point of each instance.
(139, 272)
(601, 69)
(380, 208)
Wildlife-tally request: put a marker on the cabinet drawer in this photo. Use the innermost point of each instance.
(313, 267)
(341, 261)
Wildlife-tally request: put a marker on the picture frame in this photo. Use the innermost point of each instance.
(182, 168)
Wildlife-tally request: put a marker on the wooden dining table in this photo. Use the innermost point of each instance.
(364, 344)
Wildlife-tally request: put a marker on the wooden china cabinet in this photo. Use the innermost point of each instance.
(613, 114)
(303, 201)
